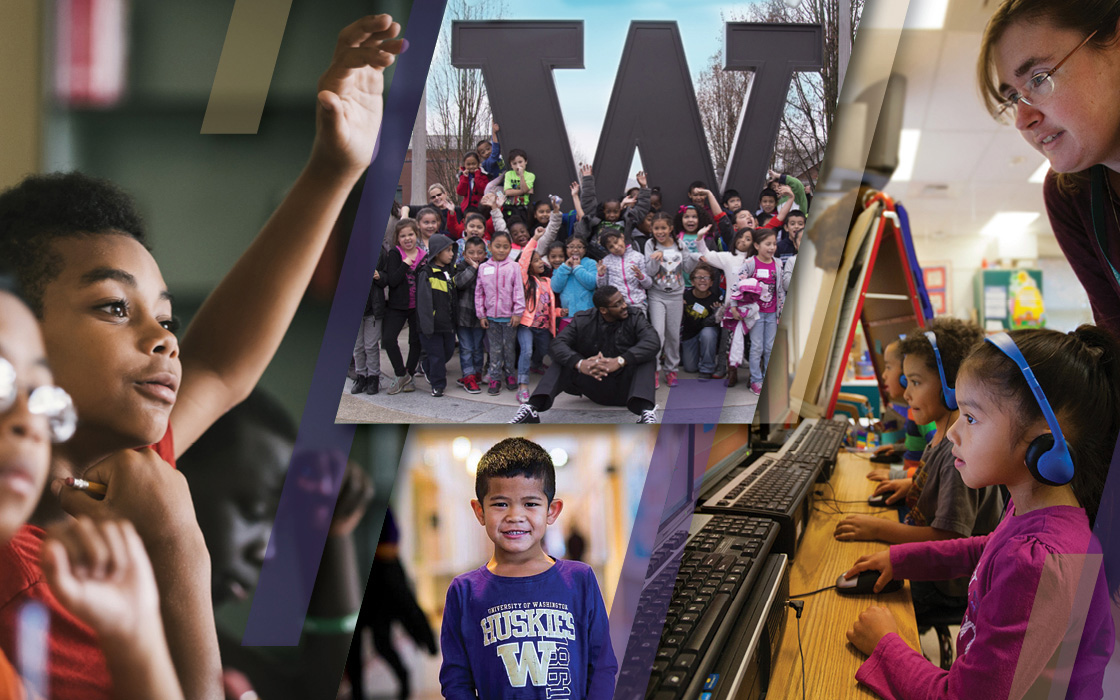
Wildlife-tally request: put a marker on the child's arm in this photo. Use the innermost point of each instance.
(575, 201)
(560, 277)
(526, 257)
(463, 188)
(455, 677)
(491, 163)
(637, 261)
(468, 274)
(100, 572)
(797, 190)
(498, 220)
(863, 528)
(480, 294)
(395, 269)
(522, 184)
(637, 213)
(601, 662)
(239, 327)
(554, 220)
(586, 274)
(588, 199)
(713, 204)
(517, 289)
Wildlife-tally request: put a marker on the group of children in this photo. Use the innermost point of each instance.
(511, 275)
(1036, 413)
(119, 605)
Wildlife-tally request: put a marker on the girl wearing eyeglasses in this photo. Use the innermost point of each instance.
(1051, 69)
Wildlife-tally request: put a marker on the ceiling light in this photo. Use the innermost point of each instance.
(1008, 222)
(907, 154)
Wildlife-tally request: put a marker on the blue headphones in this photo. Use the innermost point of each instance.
(1048, 456)
(948, 395)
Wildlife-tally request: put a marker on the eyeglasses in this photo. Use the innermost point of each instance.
(1037, 90)
(51, 402)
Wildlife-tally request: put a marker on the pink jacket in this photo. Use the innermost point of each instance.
(544, 284)
(499, 292)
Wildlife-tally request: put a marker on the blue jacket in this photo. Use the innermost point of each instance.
(575, 287)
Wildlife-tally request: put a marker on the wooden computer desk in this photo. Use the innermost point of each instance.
(830, 661)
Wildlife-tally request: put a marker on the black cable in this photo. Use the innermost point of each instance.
(819, 590)
(798, 606)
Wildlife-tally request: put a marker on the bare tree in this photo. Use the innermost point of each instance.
(458, 110)
(811, 103)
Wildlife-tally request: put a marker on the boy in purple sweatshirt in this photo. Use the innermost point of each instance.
(524, 625)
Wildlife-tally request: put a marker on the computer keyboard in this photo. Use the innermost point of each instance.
(775, 486)
(817, 440)
(694, 610)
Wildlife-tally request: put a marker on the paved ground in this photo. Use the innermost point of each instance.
(692, 401)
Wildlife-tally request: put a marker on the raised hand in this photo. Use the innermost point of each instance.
(538, 233)
(628, 201)
(494, 129)
(704, 231)
(585, 169)
(641, 178)
(348, 118)
(575, 190)
(602, 269)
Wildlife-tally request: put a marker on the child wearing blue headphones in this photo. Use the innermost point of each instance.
(1039, 413)
(939, 504)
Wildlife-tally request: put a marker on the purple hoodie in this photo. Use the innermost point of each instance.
(499, 292)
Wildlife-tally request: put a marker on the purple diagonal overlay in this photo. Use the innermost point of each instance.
(639, 608)
(313, 480)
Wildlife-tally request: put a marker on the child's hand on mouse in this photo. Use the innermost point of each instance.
(858, 528)
(879, 561)
(879, 474)
(897, 488)
(884, 450)
(350, 96)
(872, 625)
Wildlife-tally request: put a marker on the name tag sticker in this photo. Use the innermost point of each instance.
(699, 308)
(762, 274)
(489, 271)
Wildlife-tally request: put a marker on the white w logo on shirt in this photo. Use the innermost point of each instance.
(530, 666)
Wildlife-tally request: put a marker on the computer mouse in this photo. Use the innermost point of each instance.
(880, 501)
(864, 584)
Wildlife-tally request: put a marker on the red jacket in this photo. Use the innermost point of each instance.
(471, 187)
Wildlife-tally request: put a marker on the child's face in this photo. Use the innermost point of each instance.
(520, 233)
(25, 439)
(743, 242)
(446, 256)
(516, 513)
(690, 220)
(406, 239)
(429, 225)
(475, 253)
(697, 196)
(923, 390)
(483, 149)
(767, 248)
(794, 226)
(576, 249)
(612, 211)
(892, 370)
(556, 257)
(541, 214)
(536, 265)
(499, 248)
(767, 204)
(655, 202)
(662, 231)
(470, 163)
(982, 438)
(702, 282)
(646, 226)
(475, 227)
(734, 204)
(106, 321)
(616, 246)
(744, 219)
(519, 162)
(243, 484)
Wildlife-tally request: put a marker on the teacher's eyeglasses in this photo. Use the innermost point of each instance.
(51, 402)
(1037, 90)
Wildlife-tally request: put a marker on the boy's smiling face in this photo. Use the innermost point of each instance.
(516, 513)
(107, 326)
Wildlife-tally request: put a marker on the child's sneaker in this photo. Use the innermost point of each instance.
(397, 385)
(495, 387)
(359, 385)
(756, 388)
(671, 378)
(408, 385)
(373, 385)
(437, 393)
(648, 416)
(462, 381)
(523, 396)
(511, 383)
(470, 383)
(526, 414)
